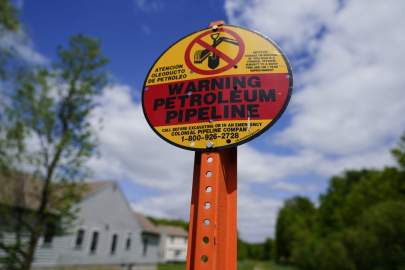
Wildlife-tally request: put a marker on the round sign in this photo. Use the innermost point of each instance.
(216, 88)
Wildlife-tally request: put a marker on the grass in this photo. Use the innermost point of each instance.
(261, 265)
(172, 266)
(243, 265)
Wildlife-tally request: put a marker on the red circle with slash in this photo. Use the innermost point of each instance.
(231, 61)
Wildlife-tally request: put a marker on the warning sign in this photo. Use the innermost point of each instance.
(217, 88)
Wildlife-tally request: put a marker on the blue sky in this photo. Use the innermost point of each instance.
(133, 33)
(346, 110)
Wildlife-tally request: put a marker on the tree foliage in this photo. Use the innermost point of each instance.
(359, 224)
(170, 222)
(14, 42)
(294, 220)
(399, 152)
(46, 137)
(8, 16)
(255, 251)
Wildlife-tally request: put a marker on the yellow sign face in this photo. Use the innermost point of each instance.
(217, 88)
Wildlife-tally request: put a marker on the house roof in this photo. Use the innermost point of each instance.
(24, 191)
(172, 230)
(93, 187)
(146, 224)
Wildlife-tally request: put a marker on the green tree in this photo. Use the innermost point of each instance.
(243, 250)
(331, 212)
(255, 251)
(268, 249)
(8, 16)
(378, 241)
(359, 224)
(399, 152)
(327, 253)
(46, 137)
(294, 220)
(8, 24)
(171, 222)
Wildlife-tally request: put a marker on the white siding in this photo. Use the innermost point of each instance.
(108, 212)
(174, 248)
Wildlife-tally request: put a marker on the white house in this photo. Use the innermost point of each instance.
(173, 243)
(105, 233)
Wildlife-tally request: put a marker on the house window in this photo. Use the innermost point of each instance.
(128, 242)
(114, 244)
(49, 234)
(94, 242)
(145, 246)
(177, 253)
(79, 239)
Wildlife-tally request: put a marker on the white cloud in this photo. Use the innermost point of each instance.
(351, 101)
(256, 216)
(146, 29)
(21, 44)
(19, 4)
(130, 149)
(346, 114)
(149, 5)
(262, 211)
(348, 109)
(174, 204)
(262, 167)
(295, 22)
(258, 166)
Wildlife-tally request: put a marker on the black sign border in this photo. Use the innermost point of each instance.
(290, 89)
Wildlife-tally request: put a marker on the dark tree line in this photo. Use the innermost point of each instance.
(255, 251)
(170, 222)
(359, 224)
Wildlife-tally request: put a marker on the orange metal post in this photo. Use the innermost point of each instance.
(212, 231)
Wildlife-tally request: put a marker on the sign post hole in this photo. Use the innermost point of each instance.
(212, 242)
